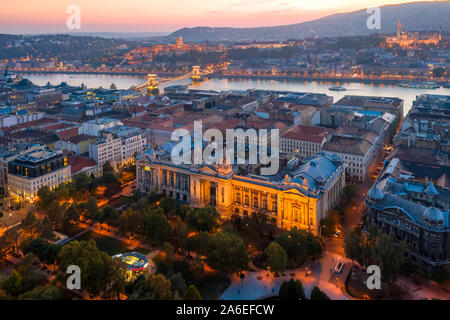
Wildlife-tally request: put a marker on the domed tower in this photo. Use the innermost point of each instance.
(433, 216)
(375, 194)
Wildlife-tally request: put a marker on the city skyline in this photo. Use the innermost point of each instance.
(116, 16)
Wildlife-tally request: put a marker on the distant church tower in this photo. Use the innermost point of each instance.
(399, 29)
(179, 42)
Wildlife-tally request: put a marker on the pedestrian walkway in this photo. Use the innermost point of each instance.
(261, 284)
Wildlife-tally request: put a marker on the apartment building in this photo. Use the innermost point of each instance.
(36, 169)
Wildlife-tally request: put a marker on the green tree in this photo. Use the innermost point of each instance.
(30, 223)
(292, 290)
(73, 213)
(276, 257)
(299, 245)
(181, 233)
(353, 242)
(438, 72)
(110, 215)
(178, 284)
(184, 211)
(227, 252)
(95, 265)
(159, 286)
(317, 294)
(46, 228)
(45, 197)
(350, 192)
(130, 221)
(204, 219)
(13, 284)
(390, 256)
(155, 226)
(168, 205)
(56, 213)
(107, 167)
(92, 208)
(116, 279)
(48, 292)
(192, 293)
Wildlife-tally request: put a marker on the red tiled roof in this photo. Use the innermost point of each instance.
(72, 132)
(58, 126)
(78, 163)
(307, 133)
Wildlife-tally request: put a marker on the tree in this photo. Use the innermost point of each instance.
(48, 292)
(168, 205)
(11, 238)
(159, 286)
(45, 197)
(107, 167)
(181, 233)
(178, 284)
(227, 252)
(438, 72)
(110, 215)
(113, 86)
(155, 226)
(30, 223)
(116, 279)
(92, 208)
(46, 228)
(390, 256)
(46, 252)
(95, 265)
(353, 242)
(299, 245)
(317, 294)
(183, 211)
(192, 293)
(204, 219)
(130, 221)
(276, 257)
(170, 253)
(13, 284)
(73, 213)
(292, 290)
(56, 213)
(350, 192)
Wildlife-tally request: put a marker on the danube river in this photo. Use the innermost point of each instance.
(125, 82)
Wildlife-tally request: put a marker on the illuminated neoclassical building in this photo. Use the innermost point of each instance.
(299, 196)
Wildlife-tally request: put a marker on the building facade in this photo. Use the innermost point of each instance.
(300, 198)
(304, 141)
(413, 211)
(34, 170)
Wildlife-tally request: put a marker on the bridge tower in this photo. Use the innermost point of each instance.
(152, 84)
(196, 74)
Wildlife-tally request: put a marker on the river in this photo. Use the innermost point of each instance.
(126, 81)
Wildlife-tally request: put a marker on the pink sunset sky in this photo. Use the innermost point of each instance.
(49, 16)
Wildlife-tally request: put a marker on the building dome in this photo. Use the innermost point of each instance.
(431, 190)
(433, 215)
(375, 194)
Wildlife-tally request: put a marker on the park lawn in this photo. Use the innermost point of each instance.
(104, 243)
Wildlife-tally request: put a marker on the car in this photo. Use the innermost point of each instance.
(339, 267)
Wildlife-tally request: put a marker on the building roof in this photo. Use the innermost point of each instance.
(307, 133)
(78, 163)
